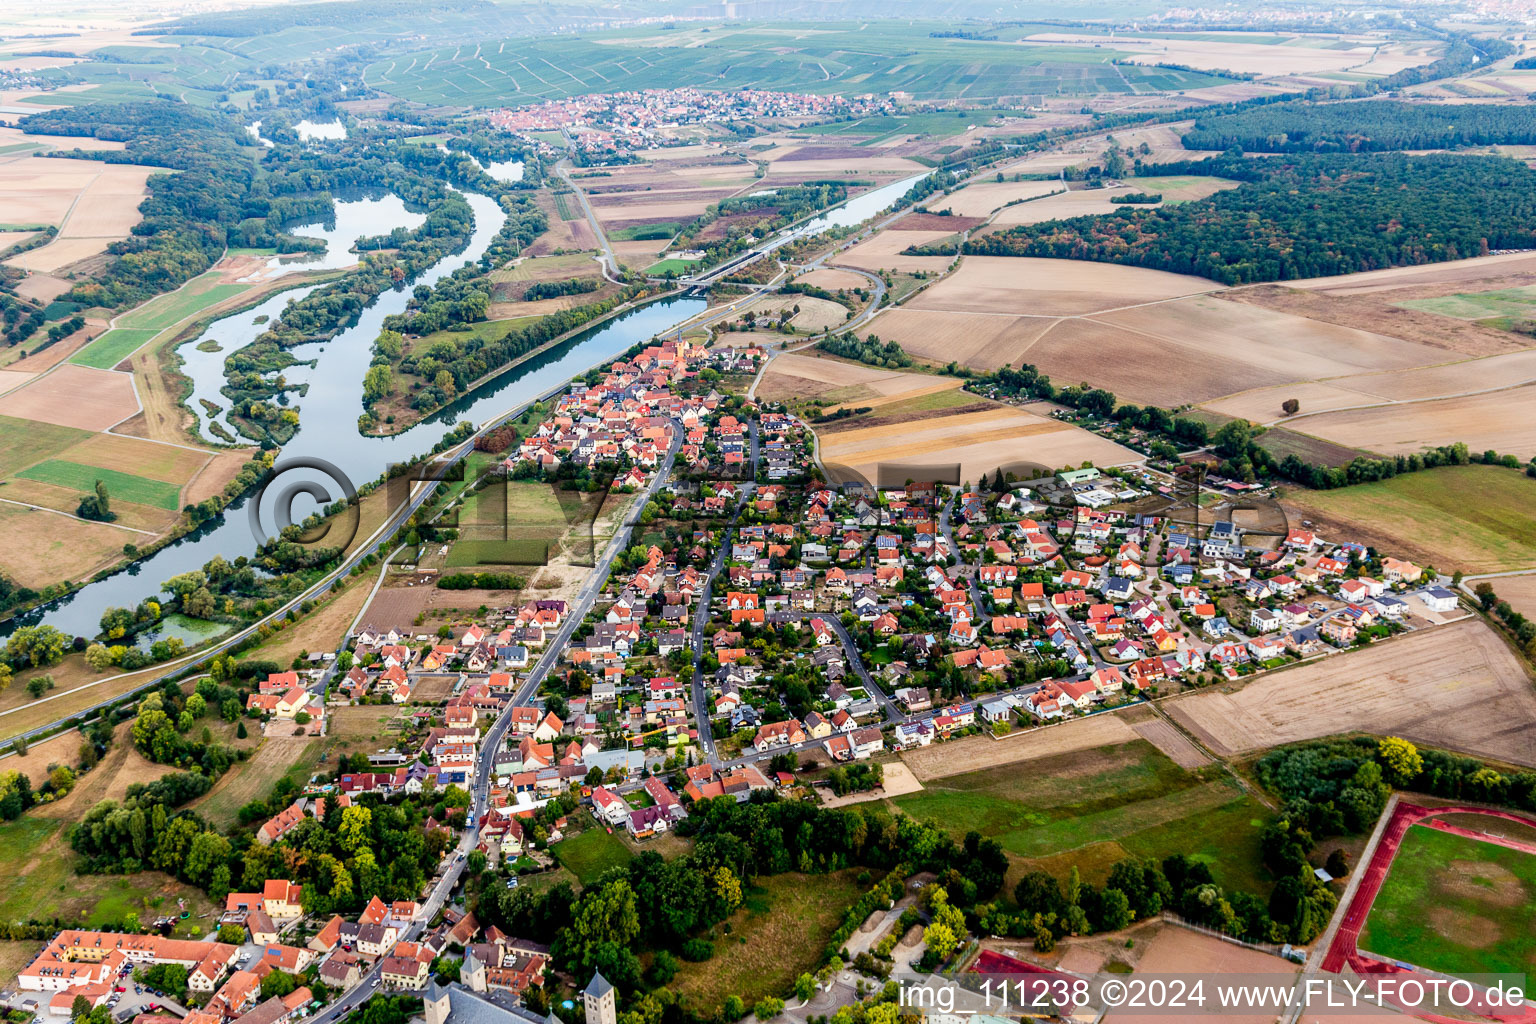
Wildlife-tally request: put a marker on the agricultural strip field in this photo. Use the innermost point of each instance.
(1457, 687)
(112, 348)
(779, 931)
(1128, 793)
(1473, 518)
(24, 442)
(1043, 287)
(978, 442)
(838, 381)
(92, 203)
(42, 548)
(982, 341)
(126, 486)
(1497, 420)
(170, 309)
(883, 252)
(74, 396)
(1455, 905)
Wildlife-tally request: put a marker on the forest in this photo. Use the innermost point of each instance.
(1374, 127)
(1303, 216)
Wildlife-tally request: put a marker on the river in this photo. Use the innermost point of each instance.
(330, 408)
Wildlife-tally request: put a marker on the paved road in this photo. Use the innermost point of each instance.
(701, 619)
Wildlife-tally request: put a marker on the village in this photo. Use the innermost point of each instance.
(757, 630)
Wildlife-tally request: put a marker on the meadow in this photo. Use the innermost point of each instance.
(1473, 518)
(1455, 905)
(780, 930)
(1124, 799)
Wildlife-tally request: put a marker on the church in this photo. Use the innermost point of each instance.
(456, 1004)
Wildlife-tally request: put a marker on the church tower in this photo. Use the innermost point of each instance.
(472, 972)
(436, 1003)
(599, 1000)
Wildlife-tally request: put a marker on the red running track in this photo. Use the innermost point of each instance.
(1344, 949)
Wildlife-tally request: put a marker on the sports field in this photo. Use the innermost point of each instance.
(1456, 905)
(112, 347)
(1129, 795)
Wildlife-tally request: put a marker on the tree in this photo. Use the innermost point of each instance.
(805, 987)
(1291, 406)
(1400, 759)
(232, 934)
(40, 685)
(1045, 940)
(768, 1007)
(940, 940)
(98, 657)
(733, 1009)
(97, 506)
(1338, 864)
(34, 646)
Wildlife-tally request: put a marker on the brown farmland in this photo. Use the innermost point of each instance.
(1459, 687)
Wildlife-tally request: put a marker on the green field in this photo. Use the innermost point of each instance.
(780, 930)
(675, 265)
(660, 230)
(112, 348)
(120, 486)
(23, 442)
(167, 310)
(1517, 302)
(875, 56)
(1456, 905)
(590, 853)
(1473, 518)
(488, 330)
(523, 551)
(1129, 795)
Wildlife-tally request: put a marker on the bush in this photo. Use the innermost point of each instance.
(697, 950)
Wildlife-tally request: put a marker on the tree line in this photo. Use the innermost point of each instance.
(1377, 126)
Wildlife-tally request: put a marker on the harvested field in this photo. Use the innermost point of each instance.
(1041, 287)
(983, 341)
(977, 752)
(93, 203)
(1170, 741)
(43, 547)
(935, 222)
(1280, 442)
(811, 375)
(978, 442)
(882, 252)
(981, 198)
(833, 280)
(1448, 379)
(74, 396)
(1378, 311)
(1457, 272)
(1263, 405)
(1520, 592)
(1076, 203)
(1459, 687)
(638, 254)
(1498, 420)
(1180, 951)
(562, 234)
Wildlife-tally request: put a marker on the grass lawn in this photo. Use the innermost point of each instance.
(778, 933)
(37, 879)
(487, 330)
(523, 551)
(23, 442)
(1128, 794)
(177, 306)
(1456, 905)
(590, 853)
(122, 486)
(111, 348)
(548, 268)
(1476, 518)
